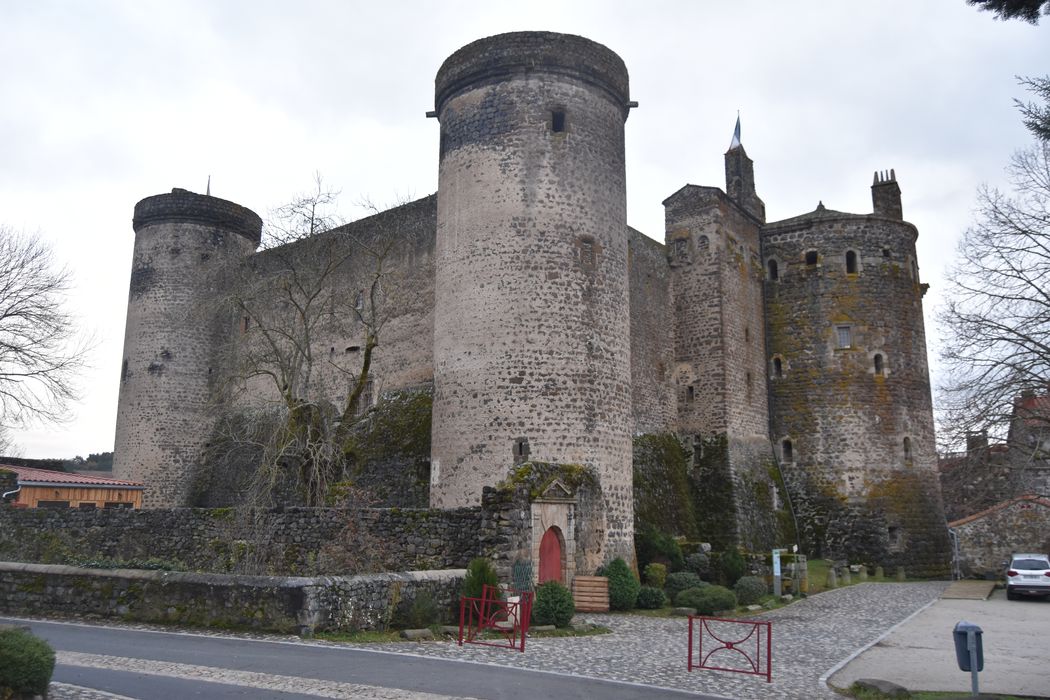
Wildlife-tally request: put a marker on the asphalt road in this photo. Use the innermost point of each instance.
(150, 664)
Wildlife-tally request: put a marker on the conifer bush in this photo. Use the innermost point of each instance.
(700, 564)
(480, 572)
(655, 575)
(553, 605)
(26, 664)
(707, 600)
(650, 598)
(679, 581)
(623, 584)
(750, 589)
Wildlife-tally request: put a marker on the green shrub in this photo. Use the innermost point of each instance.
(655, 575)
(652, 545)
(700, 564)
(553, 605)
(26, 663)
(480, 572)
(623, 585)
(707, 600)
(679, 581)
(733, 566)
(750, 589)
(650, 598)
(421, 612)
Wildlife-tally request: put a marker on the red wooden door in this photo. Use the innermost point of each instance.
(550, 556)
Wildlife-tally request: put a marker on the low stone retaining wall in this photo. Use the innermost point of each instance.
(293, 604)
(291, 541)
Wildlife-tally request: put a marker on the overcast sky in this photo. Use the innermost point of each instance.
(106, 102)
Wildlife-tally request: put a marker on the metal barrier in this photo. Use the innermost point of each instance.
(495, 621)
(748, 650)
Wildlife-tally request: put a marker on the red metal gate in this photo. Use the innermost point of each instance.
(737, 646)
(494, 620)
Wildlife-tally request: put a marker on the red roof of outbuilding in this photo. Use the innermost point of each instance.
(1031, 498)
(47, 476)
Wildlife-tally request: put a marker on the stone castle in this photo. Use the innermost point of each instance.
(788, 358)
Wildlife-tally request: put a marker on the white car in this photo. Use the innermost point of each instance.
(1028, 574)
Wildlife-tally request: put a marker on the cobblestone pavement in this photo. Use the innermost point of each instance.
(810, 637)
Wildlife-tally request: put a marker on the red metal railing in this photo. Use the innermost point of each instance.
(744, 654)
(494, 620)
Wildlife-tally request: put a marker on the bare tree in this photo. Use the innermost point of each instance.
(997, 319)
(314, 281)
(41, 353)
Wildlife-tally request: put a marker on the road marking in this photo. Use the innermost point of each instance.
(93, 691)
(290, 684)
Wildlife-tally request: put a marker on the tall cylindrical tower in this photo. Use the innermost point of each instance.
(531, 331)
(852, 418)
(184, 242)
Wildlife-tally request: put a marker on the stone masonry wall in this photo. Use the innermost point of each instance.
(862, 469)
(653, 396)
(293, 541)
(531, 325)
(183, 244)
(275, 603)
(987, 539)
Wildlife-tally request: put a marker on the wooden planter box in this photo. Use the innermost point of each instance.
(591, 593)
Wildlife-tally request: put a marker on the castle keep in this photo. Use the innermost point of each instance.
(787, 358)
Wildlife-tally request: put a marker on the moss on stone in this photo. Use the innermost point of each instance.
(663, 489)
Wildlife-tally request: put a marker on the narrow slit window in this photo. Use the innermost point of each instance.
(558, 121)
(778, 367)
(878, 365)
(851, 262)
(787, 451)
(245, 324)
(907, 449)
(774, 272)
(690, 394)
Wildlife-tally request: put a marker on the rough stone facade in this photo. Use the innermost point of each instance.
(294, 541)
(987, 539)
(290, 604)
(549, 330)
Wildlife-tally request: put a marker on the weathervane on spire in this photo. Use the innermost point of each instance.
(736, 133)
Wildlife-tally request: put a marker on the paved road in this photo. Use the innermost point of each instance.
(920, 654)
(155, 664)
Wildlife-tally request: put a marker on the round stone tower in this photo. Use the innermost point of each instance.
(531, 331)
(184, 242)
(852, 419)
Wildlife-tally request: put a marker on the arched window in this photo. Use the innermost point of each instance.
(907, 449)
(878, 364)
(774, 273)
(787, 452)
(851, 262)
(778, 367)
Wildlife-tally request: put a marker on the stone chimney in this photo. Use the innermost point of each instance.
(886, 195)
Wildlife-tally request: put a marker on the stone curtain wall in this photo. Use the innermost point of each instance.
(987, 539)
(653, 398)
(277, 603)
(294, 541)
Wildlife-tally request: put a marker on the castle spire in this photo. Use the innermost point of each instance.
(736, 133)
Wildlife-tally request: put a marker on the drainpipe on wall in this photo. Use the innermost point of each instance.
(3, 498)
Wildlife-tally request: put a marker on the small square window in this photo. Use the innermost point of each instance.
(811, 258)
(843, 337)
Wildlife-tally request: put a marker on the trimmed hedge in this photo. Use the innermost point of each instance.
(553, 605)
(26, 664)
(679, 581)
(650, 598)
(655, 575)
(707, 600)
(750, 589)
(623, 585)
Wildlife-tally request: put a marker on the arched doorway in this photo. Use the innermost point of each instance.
(551, 556)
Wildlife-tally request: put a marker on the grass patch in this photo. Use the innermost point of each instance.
(361, 636)
(864, 694)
